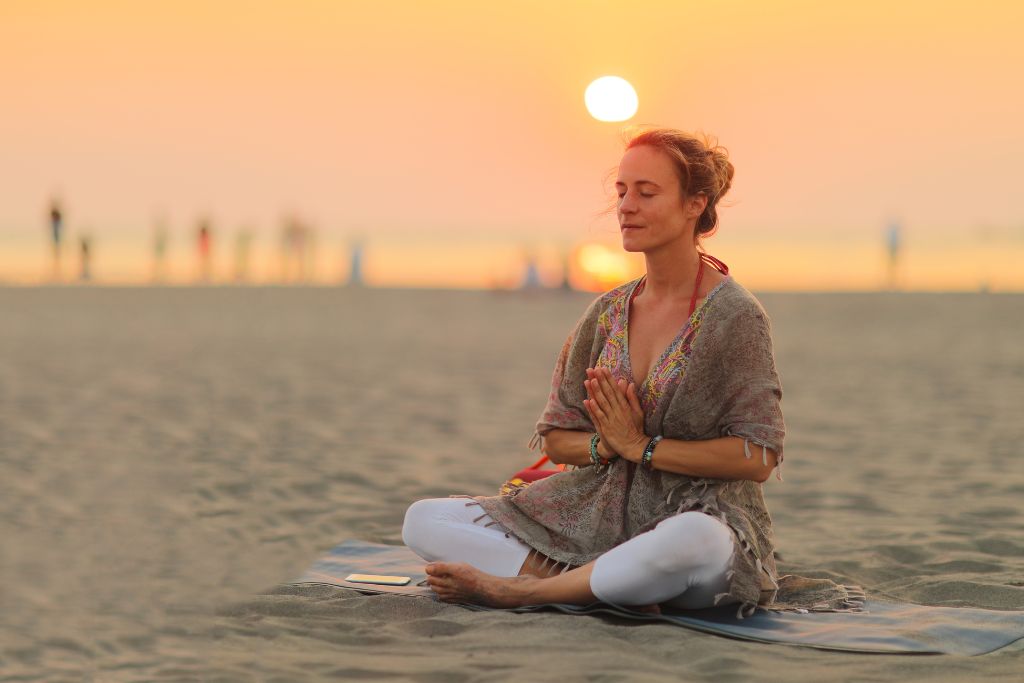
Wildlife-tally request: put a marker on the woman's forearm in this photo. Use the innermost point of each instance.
(571, 447)
(722, 458)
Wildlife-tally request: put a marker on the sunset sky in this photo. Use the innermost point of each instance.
(451, 137)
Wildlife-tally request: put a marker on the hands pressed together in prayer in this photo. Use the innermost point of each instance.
(615, 410)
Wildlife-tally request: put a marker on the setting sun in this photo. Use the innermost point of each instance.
(611, 98)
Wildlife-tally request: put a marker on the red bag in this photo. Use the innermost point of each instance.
(529, 475)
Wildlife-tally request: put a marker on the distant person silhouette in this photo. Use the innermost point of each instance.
(85, 254)
(893, 243)
(56, 233)
(296, 250)
(531, 273)
(203, 245)
(355, 275)
(160, 251)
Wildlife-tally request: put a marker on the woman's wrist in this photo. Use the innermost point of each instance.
(605, 451)
(647, 460)
(596, 458)
(634, 451)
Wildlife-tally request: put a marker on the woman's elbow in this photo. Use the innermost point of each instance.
(551, 446)
(764, 467)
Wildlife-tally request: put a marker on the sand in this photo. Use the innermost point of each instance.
(170, 457)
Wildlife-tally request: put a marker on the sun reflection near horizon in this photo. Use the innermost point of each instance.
(600, 267)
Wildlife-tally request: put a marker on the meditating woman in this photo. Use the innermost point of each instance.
(665, 399)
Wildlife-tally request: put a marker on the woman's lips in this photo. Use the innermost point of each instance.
(630, 226)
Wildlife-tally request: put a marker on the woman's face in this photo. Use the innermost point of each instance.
(652, 211)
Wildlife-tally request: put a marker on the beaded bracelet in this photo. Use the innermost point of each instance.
(594, 457)
(645, 461)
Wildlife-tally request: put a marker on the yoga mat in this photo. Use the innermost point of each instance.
(885, 627)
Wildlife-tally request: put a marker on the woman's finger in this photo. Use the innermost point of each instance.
(587, 381)
(628, 394)
(619, 395)
(598, 393)
(635, 406)
(588, 403)
(599, 409)
(608, 386)
(596, 414)
(601, 381)
(634, 400)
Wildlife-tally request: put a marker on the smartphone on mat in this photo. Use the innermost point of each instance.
(378, 579)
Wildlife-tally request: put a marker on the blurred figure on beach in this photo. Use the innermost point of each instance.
(85, 258)
(893, 244)
(531, 273)
(159, 270)
(297, 247)
(56, 233)
(355, 273)
(203, 240)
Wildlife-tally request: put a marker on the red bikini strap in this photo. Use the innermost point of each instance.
(696, 287)
(712, 261)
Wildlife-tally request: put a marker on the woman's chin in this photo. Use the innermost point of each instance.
(632, 246)
(630, 242)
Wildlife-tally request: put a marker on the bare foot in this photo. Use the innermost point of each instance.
(460, 582)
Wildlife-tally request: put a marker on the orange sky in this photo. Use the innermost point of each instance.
(442, 132)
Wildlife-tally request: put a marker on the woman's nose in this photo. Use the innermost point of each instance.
(627, 204)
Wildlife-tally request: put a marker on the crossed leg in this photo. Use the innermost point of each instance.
(682, 562)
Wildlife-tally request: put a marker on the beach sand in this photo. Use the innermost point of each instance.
(170, 457)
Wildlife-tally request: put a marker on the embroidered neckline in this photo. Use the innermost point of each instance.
(694, 318)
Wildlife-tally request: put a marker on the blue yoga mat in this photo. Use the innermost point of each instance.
(885, 627)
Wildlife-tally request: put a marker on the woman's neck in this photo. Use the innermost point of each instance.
(671, 271)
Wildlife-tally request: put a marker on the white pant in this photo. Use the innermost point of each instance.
(682, 562)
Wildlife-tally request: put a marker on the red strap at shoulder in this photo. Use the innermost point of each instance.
(717, 264)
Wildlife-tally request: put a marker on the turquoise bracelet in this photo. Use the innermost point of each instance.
(594, 457)
(645, 461)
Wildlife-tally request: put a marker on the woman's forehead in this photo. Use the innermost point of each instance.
(645, 163)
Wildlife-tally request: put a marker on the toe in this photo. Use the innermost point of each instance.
(440, 568)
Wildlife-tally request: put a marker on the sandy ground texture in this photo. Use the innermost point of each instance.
(169, 457)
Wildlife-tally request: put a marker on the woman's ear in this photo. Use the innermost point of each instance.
(695, 204)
